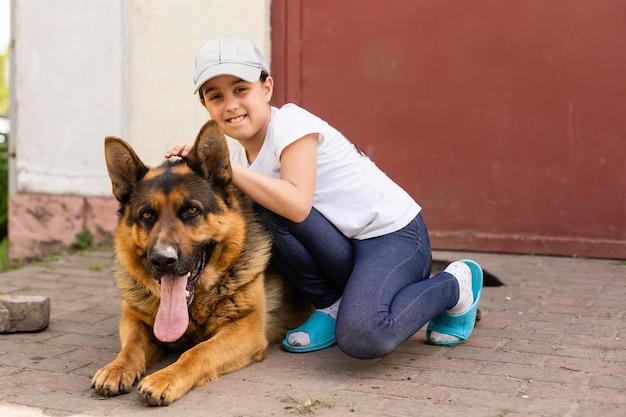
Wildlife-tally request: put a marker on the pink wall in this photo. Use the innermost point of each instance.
(42, 225)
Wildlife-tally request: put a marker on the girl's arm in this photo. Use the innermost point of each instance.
(291, 195)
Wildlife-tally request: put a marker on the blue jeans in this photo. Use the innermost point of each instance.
(387, 296)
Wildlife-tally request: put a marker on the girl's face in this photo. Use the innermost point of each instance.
(241, 108)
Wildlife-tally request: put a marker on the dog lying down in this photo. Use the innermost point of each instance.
(190, 265)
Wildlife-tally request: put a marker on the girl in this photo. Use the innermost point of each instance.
(344, 233)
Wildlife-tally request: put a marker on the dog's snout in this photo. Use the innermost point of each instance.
(164, 260)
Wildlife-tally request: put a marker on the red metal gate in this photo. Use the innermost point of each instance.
(504, 119)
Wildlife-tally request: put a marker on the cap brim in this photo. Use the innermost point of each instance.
(247, 73)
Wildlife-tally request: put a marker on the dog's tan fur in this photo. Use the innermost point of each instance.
(187, 207)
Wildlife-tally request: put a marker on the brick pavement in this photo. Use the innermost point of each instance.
(552, 342)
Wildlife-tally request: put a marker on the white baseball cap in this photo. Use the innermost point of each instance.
(229, 55)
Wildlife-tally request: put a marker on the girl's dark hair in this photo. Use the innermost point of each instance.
(262, 78)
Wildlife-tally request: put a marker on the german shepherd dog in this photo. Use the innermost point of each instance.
(190, 265)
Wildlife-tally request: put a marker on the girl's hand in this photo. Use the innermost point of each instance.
(182, 150)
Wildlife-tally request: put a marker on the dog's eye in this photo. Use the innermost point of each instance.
(146, 216)
(193, 211)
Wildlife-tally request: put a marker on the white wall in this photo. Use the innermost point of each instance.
(85, 69)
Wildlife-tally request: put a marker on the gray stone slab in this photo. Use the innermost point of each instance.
(23, 313)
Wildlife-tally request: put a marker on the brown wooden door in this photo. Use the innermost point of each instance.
(506, 120)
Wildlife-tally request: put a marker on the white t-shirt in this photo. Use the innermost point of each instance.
(350, 190)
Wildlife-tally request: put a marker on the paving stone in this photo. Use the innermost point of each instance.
(563, 356)
(23, 313)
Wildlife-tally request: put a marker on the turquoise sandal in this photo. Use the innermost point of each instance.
(459, 325)
(321, 330)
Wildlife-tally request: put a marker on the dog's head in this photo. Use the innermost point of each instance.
(177, 221)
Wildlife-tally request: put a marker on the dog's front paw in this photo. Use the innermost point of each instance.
(114, 380)
(162, 388)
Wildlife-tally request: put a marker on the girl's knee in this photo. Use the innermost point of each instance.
(361, 342)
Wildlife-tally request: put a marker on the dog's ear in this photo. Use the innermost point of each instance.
(210, 155)
(125, 168)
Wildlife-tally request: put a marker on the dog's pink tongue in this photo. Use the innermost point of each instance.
(172, 318)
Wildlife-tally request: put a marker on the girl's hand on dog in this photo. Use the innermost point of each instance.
(182, 150)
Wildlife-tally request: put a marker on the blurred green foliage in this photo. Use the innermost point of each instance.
(4, 83)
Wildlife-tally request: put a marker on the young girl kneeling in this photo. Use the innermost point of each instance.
(344, 233)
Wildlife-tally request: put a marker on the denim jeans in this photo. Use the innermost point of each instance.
(387, 296)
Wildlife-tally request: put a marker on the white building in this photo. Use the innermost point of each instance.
(86, 69)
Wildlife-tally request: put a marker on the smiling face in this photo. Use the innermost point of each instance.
(241, 108)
